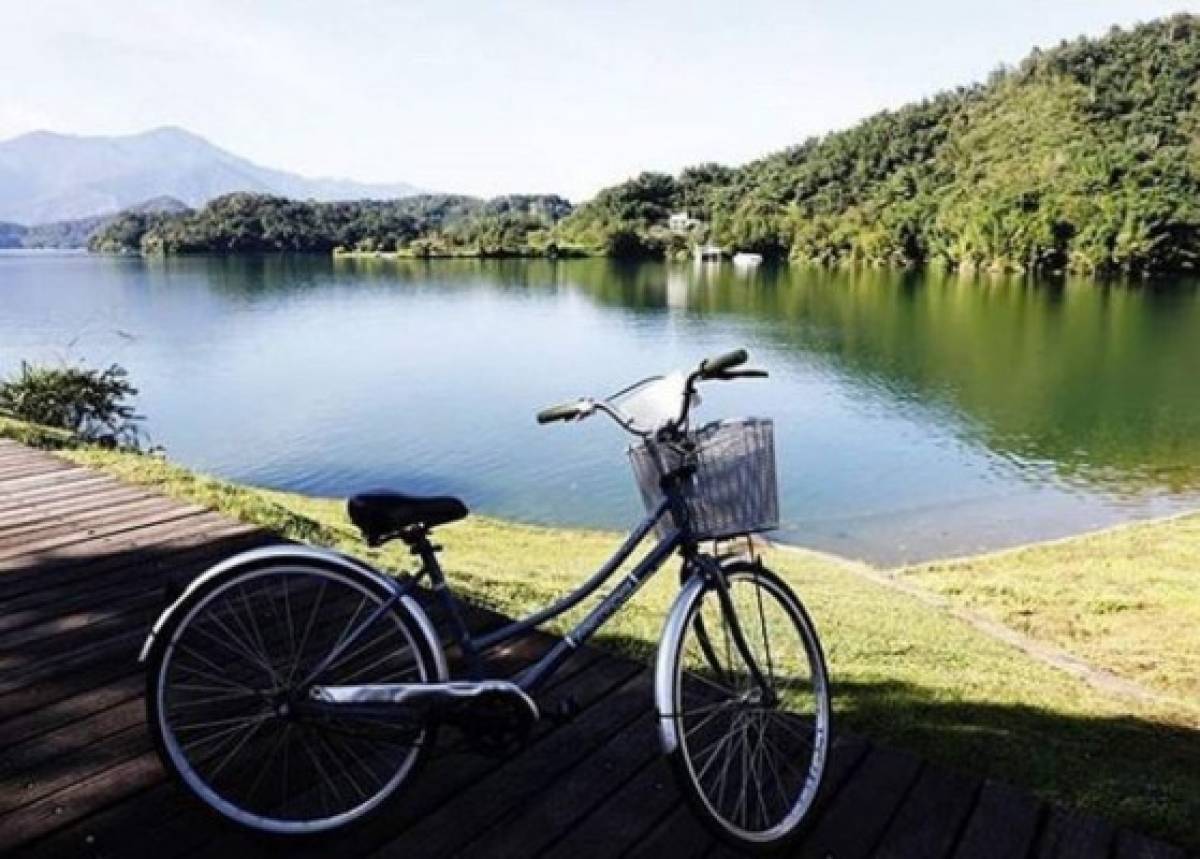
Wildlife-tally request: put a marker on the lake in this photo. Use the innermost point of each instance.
(918, 415)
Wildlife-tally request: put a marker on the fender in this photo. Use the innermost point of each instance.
(664, 673)
(304, 555)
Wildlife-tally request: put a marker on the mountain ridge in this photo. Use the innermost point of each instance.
(47, 176)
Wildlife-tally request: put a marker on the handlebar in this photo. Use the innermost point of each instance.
(712, 368)
(717, 367)
(562, 412)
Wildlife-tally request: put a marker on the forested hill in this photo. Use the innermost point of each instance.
(427, 224)
(1084, 157)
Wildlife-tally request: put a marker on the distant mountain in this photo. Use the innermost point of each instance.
(11, 235)
(46, 177)
(76, 232)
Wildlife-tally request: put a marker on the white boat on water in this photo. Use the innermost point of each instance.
(708, 253)
(746, 259)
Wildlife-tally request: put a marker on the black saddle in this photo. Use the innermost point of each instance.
(382, 514)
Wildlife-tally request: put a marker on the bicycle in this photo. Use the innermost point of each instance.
(295, 690)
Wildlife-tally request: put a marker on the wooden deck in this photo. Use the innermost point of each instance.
(84, 561)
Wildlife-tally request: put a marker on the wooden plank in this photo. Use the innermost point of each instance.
(679, 834)
(24, 761)
(65, 574)
(54, 478)
(1002, 825)
(52, 483)
(636, 816)
(534, 825)
(520, 779)
(859, 814)
(1131, 845)
(55, 775)
(60, 630)
(100, 788)
(28, 699)
(80, 516)
(847, 754)
(1069, 834)
(46, 510)
(163, 511)
(73, 709)
(22, 574)
(118, 643)
(177, 565)
(931, 817)
(30, 468)
(14, 497)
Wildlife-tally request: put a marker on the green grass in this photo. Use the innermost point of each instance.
(904, 672)
(1126, 599)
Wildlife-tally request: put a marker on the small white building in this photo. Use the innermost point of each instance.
(681, 222)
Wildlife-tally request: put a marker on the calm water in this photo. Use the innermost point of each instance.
(918, 416)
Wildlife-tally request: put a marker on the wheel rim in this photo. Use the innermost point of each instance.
(231, 692)
(754, 764)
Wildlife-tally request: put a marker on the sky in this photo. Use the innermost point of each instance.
(507, 96)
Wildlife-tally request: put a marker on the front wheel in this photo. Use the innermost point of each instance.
(749, 760)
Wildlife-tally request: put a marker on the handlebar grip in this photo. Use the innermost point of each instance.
(718, 364)
(561, 412)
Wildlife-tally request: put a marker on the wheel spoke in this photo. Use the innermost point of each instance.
(750, 755)
(250, 751)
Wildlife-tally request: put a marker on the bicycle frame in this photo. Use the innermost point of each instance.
(536, 675)
(678, 538)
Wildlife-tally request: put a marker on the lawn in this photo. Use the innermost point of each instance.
(904, 672)
(1126, 599)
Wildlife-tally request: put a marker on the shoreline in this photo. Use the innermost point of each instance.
(566, 254)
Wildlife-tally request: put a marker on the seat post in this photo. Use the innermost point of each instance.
(416, 537)
(418, 542)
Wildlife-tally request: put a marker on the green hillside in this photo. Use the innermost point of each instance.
(1085, 157)
(1082, 158)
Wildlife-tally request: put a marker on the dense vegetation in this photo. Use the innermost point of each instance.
(425, 225)
(94, 405)
(1084, 157)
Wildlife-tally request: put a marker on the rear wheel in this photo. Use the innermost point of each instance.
(750, 762)
(227, 699)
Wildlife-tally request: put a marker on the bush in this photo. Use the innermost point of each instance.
(92, 404)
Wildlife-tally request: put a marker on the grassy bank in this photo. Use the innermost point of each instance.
(1126, 599)
(904, 672)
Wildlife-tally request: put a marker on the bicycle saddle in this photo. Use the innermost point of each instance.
(381, 514)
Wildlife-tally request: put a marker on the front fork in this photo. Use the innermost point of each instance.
(710, 569)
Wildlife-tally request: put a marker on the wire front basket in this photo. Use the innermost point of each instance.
(734, 490)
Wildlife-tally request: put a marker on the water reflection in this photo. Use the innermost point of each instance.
(920, 414)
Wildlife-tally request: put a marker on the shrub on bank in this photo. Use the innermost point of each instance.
(92, 404)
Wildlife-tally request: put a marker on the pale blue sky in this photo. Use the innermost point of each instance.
(490, 97)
